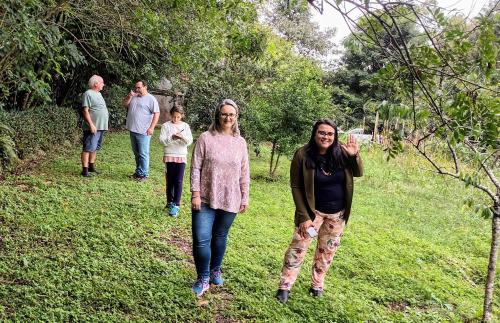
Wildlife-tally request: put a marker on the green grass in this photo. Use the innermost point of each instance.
(102, 249)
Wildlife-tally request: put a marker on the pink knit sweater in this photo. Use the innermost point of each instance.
(220, 171)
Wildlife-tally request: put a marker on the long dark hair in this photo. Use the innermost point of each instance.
(334, 156)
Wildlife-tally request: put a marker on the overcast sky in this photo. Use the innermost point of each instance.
(330, 18)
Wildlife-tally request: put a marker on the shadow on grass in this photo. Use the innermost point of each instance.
(267, 178)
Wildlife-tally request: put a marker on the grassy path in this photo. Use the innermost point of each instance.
(102, 249)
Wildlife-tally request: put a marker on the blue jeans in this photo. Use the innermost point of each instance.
(140, 147)
(210, 229)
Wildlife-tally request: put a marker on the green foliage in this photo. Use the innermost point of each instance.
(356, 81)
(102, 248)
(41, 130)
(8, 157)
(284, 109)
(117, 112)
(394, 145)
(217, 58)
(50, 49)
(292, 20)
(34, 52)
(445, 83)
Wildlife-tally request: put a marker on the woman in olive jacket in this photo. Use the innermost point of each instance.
(321, 176)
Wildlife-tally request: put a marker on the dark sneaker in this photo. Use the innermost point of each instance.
(94, 171)
(316, 292)
(85, 174)
(216, 278)
(200, 287)
(282, 295)
(174, 210)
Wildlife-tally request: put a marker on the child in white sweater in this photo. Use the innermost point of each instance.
(176, 137)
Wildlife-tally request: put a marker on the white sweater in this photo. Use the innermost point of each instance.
(175, 147)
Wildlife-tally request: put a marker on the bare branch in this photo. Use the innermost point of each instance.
(485, 168)
(453, 152)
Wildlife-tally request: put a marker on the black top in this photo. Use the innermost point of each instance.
(329, 188)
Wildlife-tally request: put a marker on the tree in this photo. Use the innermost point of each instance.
(292, 20)
(286, 105)
(51, 47)
(353, 80)
(449, 83)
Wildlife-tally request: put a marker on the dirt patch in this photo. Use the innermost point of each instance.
(399, 306)
(24, 188)
(267, 178)
(223, 298)
(17, 281)
(221, 319)
(177, 238)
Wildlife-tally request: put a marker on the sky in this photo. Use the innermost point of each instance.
(330, 18)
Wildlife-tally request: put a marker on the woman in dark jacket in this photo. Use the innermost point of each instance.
(321, 176)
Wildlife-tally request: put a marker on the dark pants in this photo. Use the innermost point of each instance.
(210, 229)
(175, 177)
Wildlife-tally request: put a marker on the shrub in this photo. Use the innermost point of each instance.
(8, 157)
(117, 113)
(43, 128)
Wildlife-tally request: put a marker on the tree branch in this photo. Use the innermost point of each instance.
(441, 171)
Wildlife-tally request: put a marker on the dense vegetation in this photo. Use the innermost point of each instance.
(103, 249)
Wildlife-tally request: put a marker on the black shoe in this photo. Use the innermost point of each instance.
(316, 292)
(85, 174)
(94, 171)
(282, 295)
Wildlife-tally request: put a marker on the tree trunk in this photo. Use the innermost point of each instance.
(276, 164)
(375, 128)
(273, 150)
(492, 264)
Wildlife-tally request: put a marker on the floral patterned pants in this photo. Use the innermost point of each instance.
(330, 228)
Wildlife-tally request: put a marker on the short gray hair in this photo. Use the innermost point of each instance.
(94, 79)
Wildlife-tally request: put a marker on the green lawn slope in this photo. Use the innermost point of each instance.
(102, 248)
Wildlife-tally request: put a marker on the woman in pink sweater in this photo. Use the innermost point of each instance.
(219, 185)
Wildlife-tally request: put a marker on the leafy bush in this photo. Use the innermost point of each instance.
(8, 157)
(43, 128)
(113, 96)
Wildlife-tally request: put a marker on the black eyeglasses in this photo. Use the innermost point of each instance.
(326, 134)
(228, 115)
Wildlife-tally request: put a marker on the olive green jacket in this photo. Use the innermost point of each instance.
(302, 183)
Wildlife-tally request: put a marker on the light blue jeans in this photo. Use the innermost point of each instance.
(140, 147)
(210, 230)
